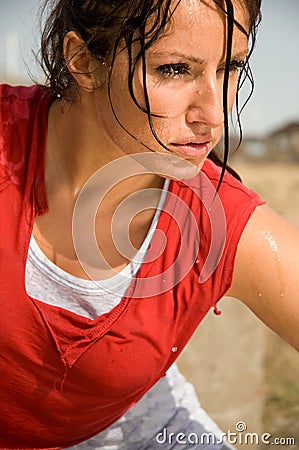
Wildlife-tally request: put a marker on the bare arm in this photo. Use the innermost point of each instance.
(266, 275)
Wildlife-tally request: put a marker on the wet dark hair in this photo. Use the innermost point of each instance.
(104, 24)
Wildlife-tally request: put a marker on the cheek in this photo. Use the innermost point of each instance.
(129, 115)
(169, 102)
(165, 99)
(132, 123)
(170, 105)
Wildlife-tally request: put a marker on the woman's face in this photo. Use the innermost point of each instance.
(184, 78)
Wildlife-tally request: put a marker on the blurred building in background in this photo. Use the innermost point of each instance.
(282, 144)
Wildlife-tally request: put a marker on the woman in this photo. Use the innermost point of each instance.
(121, 230)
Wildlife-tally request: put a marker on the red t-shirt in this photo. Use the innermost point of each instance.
(64, 377)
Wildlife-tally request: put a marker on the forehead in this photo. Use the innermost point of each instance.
(200, 26)
(193, 13)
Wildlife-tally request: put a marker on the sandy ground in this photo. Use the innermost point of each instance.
(279, 185)
(246, 371)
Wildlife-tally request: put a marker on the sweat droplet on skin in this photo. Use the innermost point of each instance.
(274, 247)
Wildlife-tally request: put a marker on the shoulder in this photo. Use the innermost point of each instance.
(19, 106)
(221, 218)
(16, 96)
(16, 107)
(233, 199)
(19, 103)
(238, 201)
(231, 188)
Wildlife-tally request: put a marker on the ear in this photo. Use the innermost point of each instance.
(80, 62)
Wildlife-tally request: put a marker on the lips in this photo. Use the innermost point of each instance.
(193, 149)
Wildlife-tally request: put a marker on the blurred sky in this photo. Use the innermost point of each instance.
(275, 63)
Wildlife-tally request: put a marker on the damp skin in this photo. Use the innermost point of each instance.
(277, 260)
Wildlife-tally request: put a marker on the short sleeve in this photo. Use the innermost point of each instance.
(239, 203)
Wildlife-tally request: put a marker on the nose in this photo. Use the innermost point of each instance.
(205, 102)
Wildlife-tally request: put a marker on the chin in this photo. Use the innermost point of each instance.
(169, 165)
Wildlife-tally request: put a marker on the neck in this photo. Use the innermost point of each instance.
(77, 149)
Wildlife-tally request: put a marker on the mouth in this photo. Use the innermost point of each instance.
(193, 149)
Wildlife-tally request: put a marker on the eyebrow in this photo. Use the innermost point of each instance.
(235, 56)
(178, 55)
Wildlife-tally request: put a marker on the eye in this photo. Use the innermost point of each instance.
(235, 66)
(173, 70)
